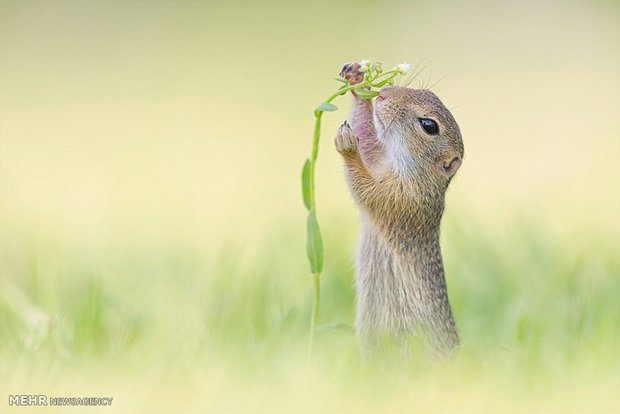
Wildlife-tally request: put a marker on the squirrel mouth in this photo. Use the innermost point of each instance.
(378, 119)
(377, 115)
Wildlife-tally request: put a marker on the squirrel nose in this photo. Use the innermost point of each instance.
(386, 92)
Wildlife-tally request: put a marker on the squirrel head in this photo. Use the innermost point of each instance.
(420, 137)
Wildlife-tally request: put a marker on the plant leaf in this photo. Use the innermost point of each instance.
(365, 93)
(314, 244)
(346, 82)
(380, 84)
(305, 183)
(327, 107)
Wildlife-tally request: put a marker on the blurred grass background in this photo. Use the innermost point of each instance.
(152, 230)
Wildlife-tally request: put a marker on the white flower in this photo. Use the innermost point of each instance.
(403, 68)
(365, 65)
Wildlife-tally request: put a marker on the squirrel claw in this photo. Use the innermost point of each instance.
(351, 72)
(346, 142)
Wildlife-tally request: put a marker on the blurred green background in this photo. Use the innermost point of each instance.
(153, 234)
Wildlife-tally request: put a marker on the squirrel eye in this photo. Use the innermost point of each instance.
(429, 126)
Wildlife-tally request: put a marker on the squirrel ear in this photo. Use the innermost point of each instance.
(449, 164)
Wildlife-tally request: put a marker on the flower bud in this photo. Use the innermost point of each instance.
(365, 65)
(403, 68)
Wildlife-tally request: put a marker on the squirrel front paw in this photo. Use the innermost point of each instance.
(346, 142)
(351, 72)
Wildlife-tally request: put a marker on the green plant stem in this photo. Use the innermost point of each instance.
(315, 152)
(315, 310)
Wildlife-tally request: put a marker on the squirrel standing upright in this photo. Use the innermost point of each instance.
(399, 160)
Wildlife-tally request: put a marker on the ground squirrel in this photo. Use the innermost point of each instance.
(399, 160)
